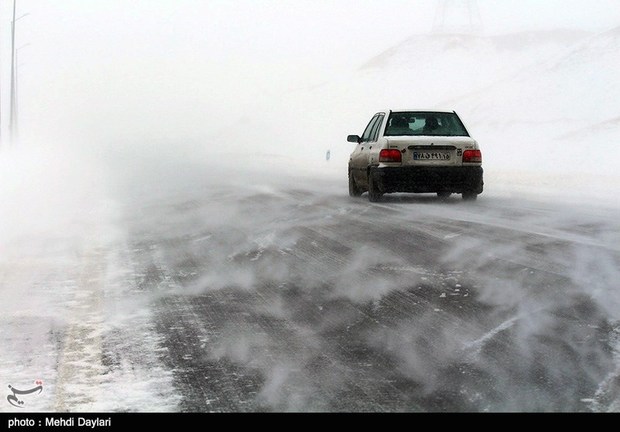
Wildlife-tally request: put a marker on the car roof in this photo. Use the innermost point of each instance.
(420, 110)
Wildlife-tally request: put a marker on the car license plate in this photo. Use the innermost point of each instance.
(431, 155)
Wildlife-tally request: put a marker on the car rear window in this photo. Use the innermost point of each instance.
(424, 123)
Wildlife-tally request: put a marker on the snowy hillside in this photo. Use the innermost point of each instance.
(563, 110)
(535, 100)
(422, 71)
(439, 65)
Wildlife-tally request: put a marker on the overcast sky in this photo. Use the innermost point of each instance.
(187, 59)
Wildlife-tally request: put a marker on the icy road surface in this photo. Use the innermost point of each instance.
(284, 294)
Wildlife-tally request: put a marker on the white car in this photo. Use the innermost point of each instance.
(415, 151)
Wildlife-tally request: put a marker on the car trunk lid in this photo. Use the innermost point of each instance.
(431, 150)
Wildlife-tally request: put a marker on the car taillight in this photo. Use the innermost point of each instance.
(390, 155)
(472, 156)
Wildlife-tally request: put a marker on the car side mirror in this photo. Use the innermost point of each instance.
(354, 138)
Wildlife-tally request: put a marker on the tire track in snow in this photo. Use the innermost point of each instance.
(80, 361)
(111, 357)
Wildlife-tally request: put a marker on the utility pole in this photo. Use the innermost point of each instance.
(0, 89)
(12, 107)
(17, 67)
(457, 16)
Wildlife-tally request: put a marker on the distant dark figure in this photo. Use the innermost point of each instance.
(431, 124)
(399, 126)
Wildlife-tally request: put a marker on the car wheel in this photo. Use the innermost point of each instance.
(354, 191)
(374, 194)
(470, 196)
(444, 195)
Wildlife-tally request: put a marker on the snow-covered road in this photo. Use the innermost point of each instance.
(262, 293)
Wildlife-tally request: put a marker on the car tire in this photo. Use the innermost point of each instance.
(354, 190)
(444, 195)
(470, 196)
(374, 194)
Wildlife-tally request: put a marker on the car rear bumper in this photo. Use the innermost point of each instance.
(428, 179)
